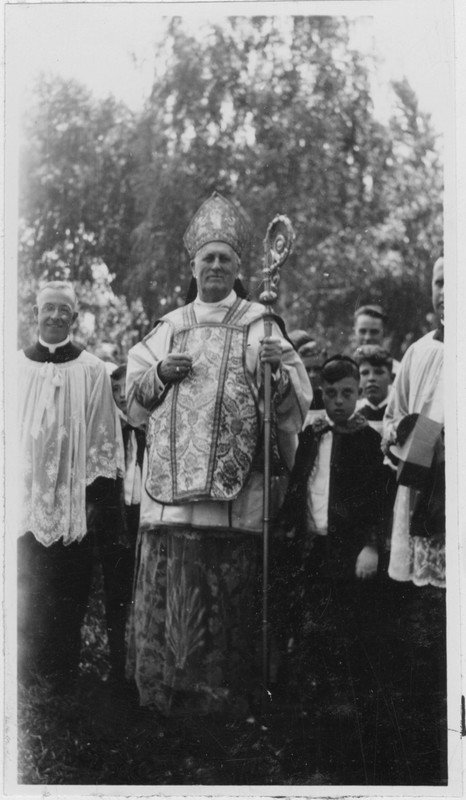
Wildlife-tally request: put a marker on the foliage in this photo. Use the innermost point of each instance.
(76, 206)
(106, 318)
(280, 118)
(276, 113)
(75, 167)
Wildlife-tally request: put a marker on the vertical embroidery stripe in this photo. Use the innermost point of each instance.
(218, 407)
(173, 425)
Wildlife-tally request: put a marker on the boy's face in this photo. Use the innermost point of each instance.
(340, 398)
(375, 382)
(312, 363)
(119, 392)
(368, 329)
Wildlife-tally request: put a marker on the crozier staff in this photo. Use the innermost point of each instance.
(197, 382)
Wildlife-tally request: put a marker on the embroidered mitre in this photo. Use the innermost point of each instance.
(217, 220)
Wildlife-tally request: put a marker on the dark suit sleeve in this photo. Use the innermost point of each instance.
(374, 510)
(293, 511)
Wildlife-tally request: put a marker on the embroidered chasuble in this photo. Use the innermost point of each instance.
(202, 439)
(236, 322)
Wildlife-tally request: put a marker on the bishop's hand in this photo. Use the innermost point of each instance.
(175, 367)
(270, 352)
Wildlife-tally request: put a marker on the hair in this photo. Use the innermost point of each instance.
(338, 367)
(372, 311)
(65, 286)
(299, 337)
(373, 354)
(118, 373)
(313, 349)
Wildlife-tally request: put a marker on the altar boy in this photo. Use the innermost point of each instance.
(333, 500)
(333, 518)
(375, 373)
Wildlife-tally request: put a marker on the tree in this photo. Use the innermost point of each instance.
(76, 202)
(276, 113)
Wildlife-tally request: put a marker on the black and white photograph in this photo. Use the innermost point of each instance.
(233, 371)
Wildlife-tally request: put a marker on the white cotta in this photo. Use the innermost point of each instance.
(69, 435)
(418, 389)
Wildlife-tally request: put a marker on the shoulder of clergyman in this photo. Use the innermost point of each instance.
(242, 314)
(257, 311)
(426, 344)
(93, 366)
(28, 352)
(174, 319)
(85, 357)
(175, 316)
(251, 310)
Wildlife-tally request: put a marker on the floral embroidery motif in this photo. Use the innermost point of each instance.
(185, 623)
(202, 438)
(65, 442)
(194, 621)
(415, 557)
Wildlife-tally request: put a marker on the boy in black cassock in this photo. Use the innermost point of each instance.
(333, 499)
(333, 519)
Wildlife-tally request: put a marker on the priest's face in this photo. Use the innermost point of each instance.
(437, 288)
(215, 267)
(54, 314)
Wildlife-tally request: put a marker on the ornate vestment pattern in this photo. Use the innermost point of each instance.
(203, 437)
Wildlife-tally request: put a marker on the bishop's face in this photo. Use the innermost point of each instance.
(215, 267)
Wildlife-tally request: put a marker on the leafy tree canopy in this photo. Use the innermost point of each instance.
(276, 113)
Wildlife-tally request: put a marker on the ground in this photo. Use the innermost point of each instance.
(309, 735)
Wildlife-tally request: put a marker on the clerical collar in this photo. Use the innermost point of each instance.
(53, 347)
(375, 407)
(332, 422)
(324, 424)
(225, 302)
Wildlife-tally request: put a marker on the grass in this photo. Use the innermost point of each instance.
(313, 736)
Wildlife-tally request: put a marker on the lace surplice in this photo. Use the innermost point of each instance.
(69, 435)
